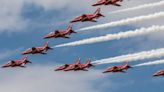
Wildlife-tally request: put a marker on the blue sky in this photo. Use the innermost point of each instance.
(24, 23)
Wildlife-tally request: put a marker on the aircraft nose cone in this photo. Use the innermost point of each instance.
(104, 71)
(154, 75)
(93, 5)
(23, 53)
(2, 66)
(45, 37)
(56, 70)
(72, 21)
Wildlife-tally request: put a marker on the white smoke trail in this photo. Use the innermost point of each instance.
(120, 35)
(151, 5)
(132, 57)
(150, 63)
(125, 21)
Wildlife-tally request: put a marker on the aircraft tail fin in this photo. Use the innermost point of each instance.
(70, 29)
(98, 14)
(126, 63)
(97, 11)
(77, 61)
(88, 63)
(46, 46)
(24, 58)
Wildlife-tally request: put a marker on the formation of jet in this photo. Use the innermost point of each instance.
(17, 63)
(107, 2)
(88, 17)
(60, 33)
(38, 50)
(159, 73)
(121, 68)
(76, 66)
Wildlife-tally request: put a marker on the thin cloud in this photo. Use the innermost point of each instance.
(7, 53)
(44, 79)
(10, 16)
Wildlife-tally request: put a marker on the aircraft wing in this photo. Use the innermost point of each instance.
(69, 68)
(52, 33)
(63, 32)
(80, 17)
(119, 66)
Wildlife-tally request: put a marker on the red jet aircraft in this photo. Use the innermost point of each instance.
(73, 66)
(108, 2)
(60, 33)
(66, 66)
(84, 66)
(17, 63)
(88, 17)
(38, 50)
(76, 66)
(114, 69)
(159, 73)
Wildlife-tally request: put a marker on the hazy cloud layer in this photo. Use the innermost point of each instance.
(44, 79)
(7, 53)
(11, 19)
